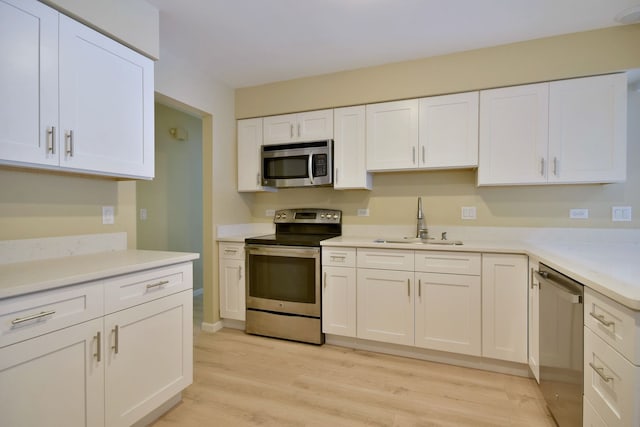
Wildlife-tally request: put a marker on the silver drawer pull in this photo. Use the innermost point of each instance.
(338, 258)
(600, 318)
(98, 353)
(32, 317)
(116, 345)
(157, 285)
(600, 372)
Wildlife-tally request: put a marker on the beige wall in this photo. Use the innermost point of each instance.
(393, 199)
(192, 90)
(42, 204)
(135, 23)
(587, 53)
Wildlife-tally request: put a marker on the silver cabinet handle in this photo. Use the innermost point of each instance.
(555, 166)
(414, 155)
(258, 178)
(299, 130)
(408, 287)
(115, 346)
(51, 140)
(533, 284)
(542, 166)
(291, 132)
(157, 285)
(419, 288)
(600, 318)
(336, 175)
(98, 353)
(19, 320)
(68, 143)
(424, 157)
(231, 251)
(324, 281)
(239, 273)
(600, 372)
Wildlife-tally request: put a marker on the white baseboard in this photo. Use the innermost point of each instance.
(211, 327)
(159, 411)
(233, 324)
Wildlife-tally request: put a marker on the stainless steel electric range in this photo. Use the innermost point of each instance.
(284, 275)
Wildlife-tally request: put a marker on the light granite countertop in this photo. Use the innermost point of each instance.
(19, 278)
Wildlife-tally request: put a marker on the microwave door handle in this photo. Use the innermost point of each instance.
(311, 168)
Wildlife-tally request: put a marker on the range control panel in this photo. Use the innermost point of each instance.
(308, 216)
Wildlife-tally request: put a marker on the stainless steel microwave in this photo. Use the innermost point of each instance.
(303, 164)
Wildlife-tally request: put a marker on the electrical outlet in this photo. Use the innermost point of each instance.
(469, 212)
(270, 212)
(143, 214)
(108, 215)
(579, 213)
(363, 212)
(621, 213)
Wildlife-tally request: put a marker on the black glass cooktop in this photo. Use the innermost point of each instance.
(289, 239)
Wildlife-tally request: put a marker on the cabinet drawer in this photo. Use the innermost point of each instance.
(339, 257)
(27, 316)
(448, 262)
(615, 324)
(385, 259)
(610, 383)
(231, 250)
(138, 288)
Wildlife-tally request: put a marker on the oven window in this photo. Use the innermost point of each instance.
(282, 278)
(287, 167)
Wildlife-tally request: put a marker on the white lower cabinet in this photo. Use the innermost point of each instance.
(611, 367)
(56, 379)
(448, 313)
(504, 307)
(385, 305)
(148, 357)
(232, 281)
(105, 371)
(590, 417)
(339, 301)
(534, 320)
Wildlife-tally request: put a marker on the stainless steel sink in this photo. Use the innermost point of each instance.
(417, 240)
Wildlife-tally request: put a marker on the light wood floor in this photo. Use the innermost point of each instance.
(246, 380)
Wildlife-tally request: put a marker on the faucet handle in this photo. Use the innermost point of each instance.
(444, 235)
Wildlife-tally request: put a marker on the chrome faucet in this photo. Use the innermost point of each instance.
(421, 228)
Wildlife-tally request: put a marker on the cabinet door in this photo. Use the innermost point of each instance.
(106, 104)
(534, 320)
(385, 305)
(587, 129)
(29, 76)
(448, 313)
(249, 155)
(315, 125)
(392, 135)
(504, 307)
(280, 129)
(514, 125)
(448, 131)
(350, 149)
(56, 379)
(339, 301)
(149, 356)
(232, 289)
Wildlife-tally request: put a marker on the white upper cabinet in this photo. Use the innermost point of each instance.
(392, 135)
(79, 100)
(309, 126)
(588, 129)
(349, 148)
(514, 127)
(29, 76)
(106, 104)
(249, 155)
(448, 131)
(563, 132)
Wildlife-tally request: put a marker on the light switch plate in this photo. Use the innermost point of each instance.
(269, 212)
(363, 212)
(468, 212)
(621, 213)
(579, 213)
(108, 215)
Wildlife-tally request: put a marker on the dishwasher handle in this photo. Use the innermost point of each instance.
(565, 292)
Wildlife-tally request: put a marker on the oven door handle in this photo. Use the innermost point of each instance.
(284, 251)
(310, 168)
(565, 292)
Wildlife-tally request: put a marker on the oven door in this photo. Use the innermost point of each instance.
(283, 279)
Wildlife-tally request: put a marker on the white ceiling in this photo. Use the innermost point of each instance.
(250, 42)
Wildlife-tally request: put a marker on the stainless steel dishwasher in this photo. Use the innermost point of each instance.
(561, 345)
